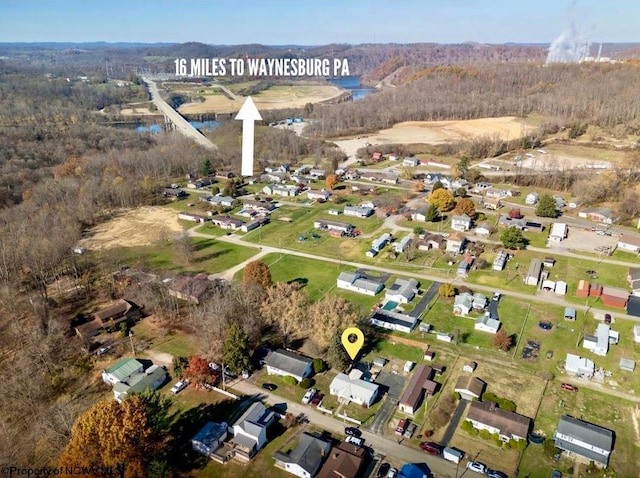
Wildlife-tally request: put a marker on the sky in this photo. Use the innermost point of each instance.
(316, 22)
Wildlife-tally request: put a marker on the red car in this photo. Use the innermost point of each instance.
(432, 448)
(569, 387)
(315, 401)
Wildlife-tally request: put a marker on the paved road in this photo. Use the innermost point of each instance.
(402, 453)
(181, 124)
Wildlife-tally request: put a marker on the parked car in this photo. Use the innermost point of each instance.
(103, 350)
(569, 387)
(402, 426)
(477, 467)
(432, 448)
(411, 429)
(392, 473)
(607, 318)
(179, 386)
(556, 474)
(308, 396)
(354, 440)
(545, 325)
(496, 296)
(496, 474)
(353, 431)
(317, 398)
(383, 470)
(269, 386)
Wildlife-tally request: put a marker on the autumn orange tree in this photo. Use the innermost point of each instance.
(114, 434)
(257, 272)
(502, 340)
(198, 371)
(331, 181)
(466, 206)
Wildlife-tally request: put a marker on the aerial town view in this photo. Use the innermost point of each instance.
(320, 239)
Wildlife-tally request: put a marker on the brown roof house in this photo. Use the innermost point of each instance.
(421, 383)
(470, 387)
(120, 311)
(191, 289)
(488, 416)
(344, 461)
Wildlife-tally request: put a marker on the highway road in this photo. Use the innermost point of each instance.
(181, 124)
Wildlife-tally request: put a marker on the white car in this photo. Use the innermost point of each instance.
(180, 386)
(477, 467)
(309, 395)
(392, 473)
(496, 296)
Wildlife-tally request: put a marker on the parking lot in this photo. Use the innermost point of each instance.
(580, 239)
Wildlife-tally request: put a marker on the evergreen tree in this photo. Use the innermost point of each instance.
(206, 167)
(236, 350)
(546, 206)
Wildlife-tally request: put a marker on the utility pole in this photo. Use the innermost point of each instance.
(133, 350)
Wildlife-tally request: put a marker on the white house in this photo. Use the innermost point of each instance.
(629, 243)
(354, 282)
(533, 274)
(351, 388)
(599, 343)
(280, 190)
(410, 162)
(403, 290)
(250, 430)
(285, 363)
(558, 232)
(322, 195)
(579, 366)
(226, 201)
(358, 211)
(483, 229)
(487, 324)
(306, 458)
(382, 241)
(403, 244)
(461, 223)
(455, 243)
(393, 320)
(419, 215)
(532, 198)
(508, 425)
(462, 304)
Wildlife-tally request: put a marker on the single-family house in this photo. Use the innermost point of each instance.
(285, 363)
(508, 425)
(280, 190)
(628, 365)
(120, 311)
(341, 227)
(598, 214)
(569, 313)
(209, 439)
(432, 241)
(358, 211)
(464, 266)
(483, 229)
(382, 241)
(419, 215)
(403, 290)
(227, 222)
(393, 320)
(344, 461)
(493, 193)
(463, 304)
(558, 232)
(614, 297)
(628, 242)
(250, 431)
(455, 243)
(322, 195)
(356, 283)
(491, 203)
(470, 387)
(578, 437)
(533, 274)
(403, 244)
(461, 223)
(633, 277)
(376, 156)
(226, 201)
(579, 366)
(560, 202)
(410, 162)
(500, 261)
(432, 178)
(254, 224)
(532, 198)
(174, 192)
(414, 393)
(480, 301)
(306, 458)
(317, 173)
(636, 334)
(130, 375)
(352, 388)
(191, 289)
(481, 187)
(487, 324)
(200, 183)
(260, 206)
(506, 221)
(599, 343)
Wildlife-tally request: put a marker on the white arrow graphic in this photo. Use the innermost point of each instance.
(248, 114)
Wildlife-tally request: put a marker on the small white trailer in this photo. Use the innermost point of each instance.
(453, 455)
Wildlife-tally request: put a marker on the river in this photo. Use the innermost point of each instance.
(352, 83)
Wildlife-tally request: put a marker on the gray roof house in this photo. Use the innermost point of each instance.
(533, 274)
(209, 439)
(487, 324)
(584, 439)
(393, 320)
(462, 304)
(250, 431)
(285, 363)
(306, 458)
(461, 223)
(579, 366)
(403, 290)
(356, 283)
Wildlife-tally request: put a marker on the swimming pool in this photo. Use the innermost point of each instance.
(390, 305)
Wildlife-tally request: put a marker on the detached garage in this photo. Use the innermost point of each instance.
(614, 297)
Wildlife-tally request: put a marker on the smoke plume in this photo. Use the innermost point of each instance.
(569, 47)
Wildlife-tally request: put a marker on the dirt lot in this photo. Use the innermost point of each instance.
(276, 97)
(137, 227)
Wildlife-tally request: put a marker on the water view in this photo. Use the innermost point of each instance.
(352, 83)
(199, 125)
